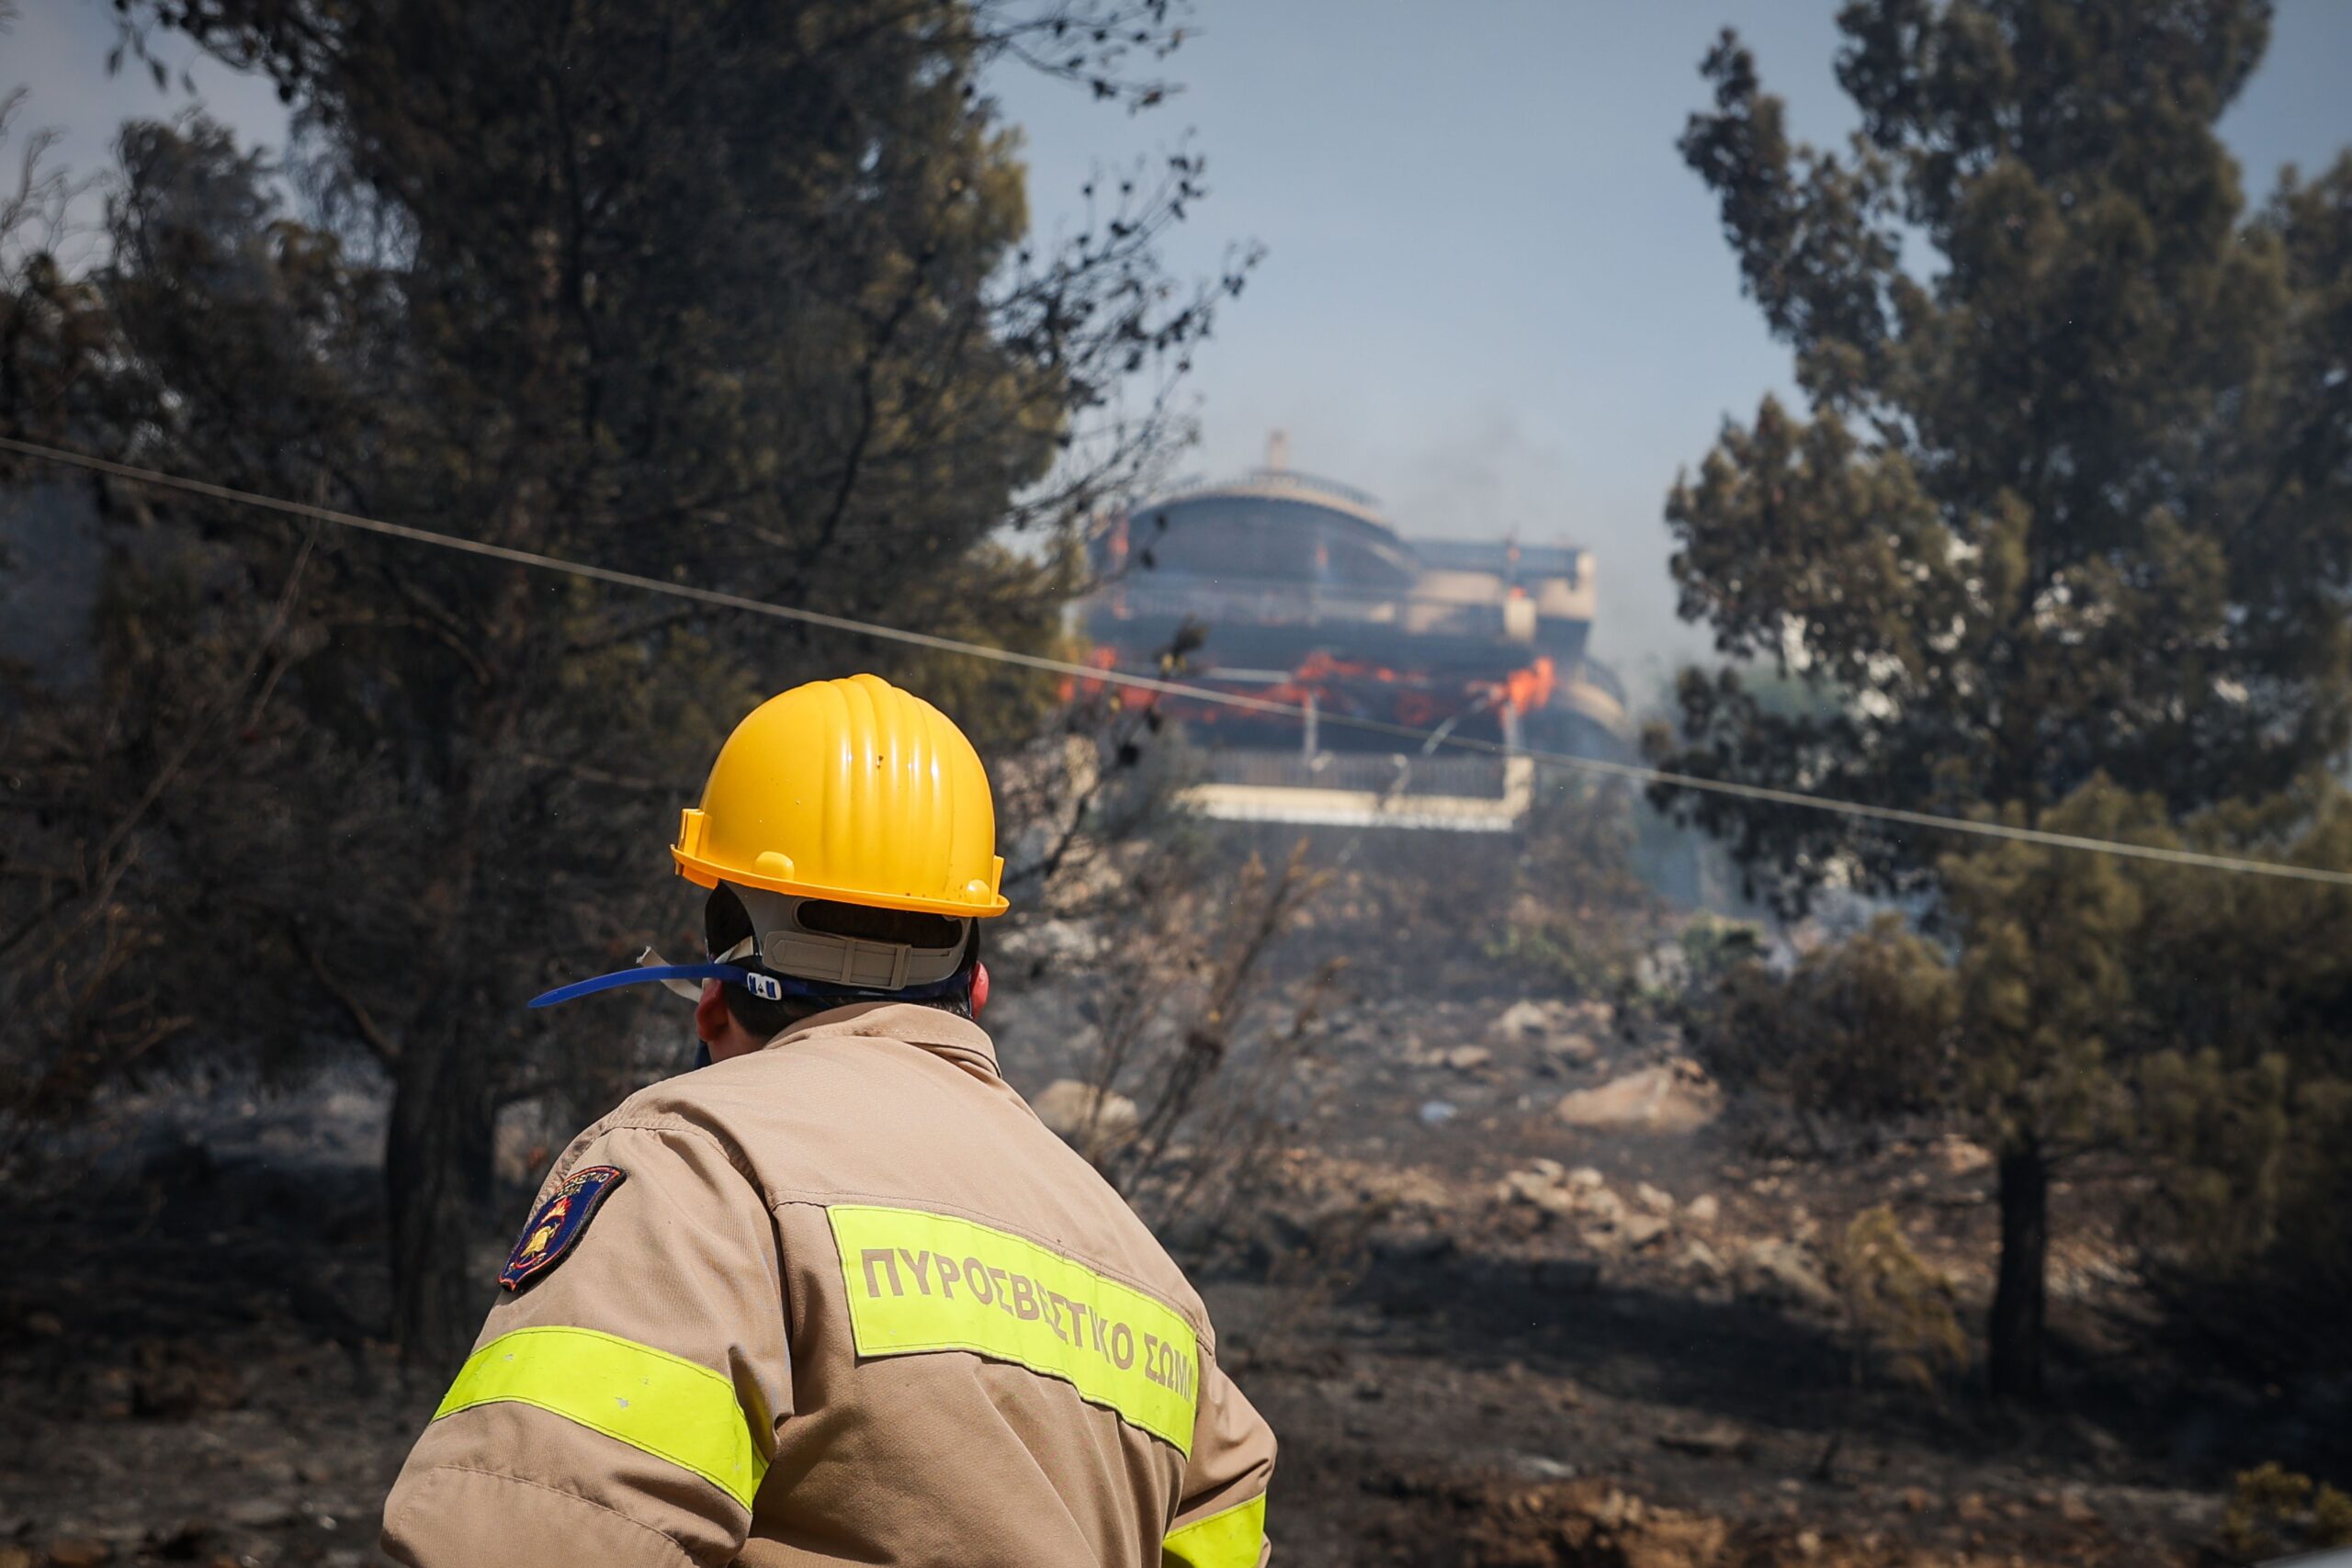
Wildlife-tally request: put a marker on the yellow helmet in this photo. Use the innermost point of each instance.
(854, 791)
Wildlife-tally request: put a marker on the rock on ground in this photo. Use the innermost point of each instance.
(1562, 1029)
(1068, 1108)
(1640, 1230)
(1051, 941)
(1663, 1099)
(1960, 1157)
(1522, 1020)
(1580, 1049)
(1712, 1439)
(1700, 1259)
(1783, 1267)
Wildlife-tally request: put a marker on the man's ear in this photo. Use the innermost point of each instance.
(711, 1018)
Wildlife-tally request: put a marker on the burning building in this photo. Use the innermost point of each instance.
(1302, 592)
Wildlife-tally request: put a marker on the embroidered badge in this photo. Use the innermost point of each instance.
(557, 1223)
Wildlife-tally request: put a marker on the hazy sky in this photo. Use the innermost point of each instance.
(1493, 295)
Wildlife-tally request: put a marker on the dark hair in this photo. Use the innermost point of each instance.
(725, 922)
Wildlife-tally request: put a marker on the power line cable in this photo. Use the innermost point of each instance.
(1635, 773)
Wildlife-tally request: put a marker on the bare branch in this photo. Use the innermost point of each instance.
(386, 1049)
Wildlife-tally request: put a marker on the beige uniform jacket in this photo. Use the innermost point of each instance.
(847, 1301)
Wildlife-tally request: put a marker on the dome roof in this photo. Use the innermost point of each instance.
(1274, 524)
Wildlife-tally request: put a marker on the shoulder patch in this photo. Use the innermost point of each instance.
(557, 1224)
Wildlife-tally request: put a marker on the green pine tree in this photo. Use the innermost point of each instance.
(2069, 500)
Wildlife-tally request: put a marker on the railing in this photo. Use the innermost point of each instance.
(1304, 604)
(1495, 802)
(1471, 777)
(1600, 675)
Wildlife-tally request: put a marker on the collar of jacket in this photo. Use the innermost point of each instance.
(911, 1023)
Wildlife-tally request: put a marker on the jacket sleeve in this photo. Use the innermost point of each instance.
(620, 1407)
(1221, 1519)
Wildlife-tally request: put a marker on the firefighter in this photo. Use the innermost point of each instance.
(837, 1296)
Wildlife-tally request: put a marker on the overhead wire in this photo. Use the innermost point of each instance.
(1185, 690)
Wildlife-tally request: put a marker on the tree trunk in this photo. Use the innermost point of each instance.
(2020, 1297)
(437, 1157)
(440, 1147)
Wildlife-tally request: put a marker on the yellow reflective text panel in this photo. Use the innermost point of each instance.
(920, 1282)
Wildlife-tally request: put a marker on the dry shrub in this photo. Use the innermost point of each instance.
(1190, 1030)
(1896, 1317)
(2272, 1510)
(1860, 1030)
(1897, 1309)
(1580, 913)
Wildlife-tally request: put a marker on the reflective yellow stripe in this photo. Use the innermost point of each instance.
(920, 1282)
(669, 1407)
(1230, 1538)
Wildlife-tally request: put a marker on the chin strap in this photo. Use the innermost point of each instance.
(759, 981)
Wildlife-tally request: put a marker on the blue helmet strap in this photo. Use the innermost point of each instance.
(759, 981)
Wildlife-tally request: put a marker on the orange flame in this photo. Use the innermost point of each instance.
(1529, 689)
(1417, 699)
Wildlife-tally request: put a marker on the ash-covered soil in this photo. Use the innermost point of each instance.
(192, 1352)
(1489, 1332)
